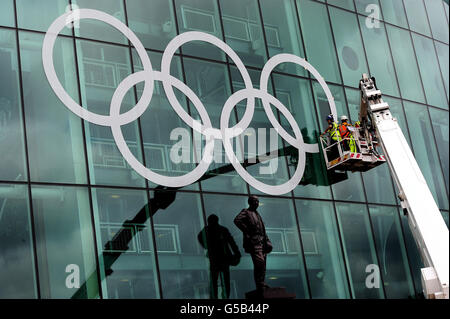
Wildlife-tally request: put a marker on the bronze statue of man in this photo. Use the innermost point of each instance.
(256, 242)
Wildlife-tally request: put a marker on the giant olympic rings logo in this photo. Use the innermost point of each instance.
(116, 119)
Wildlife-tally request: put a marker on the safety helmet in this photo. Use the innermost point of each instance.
(330, 117)
(344, 118)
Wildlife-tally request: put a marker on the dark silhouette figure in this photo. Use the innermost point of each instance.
(256, 242)
(222, 252)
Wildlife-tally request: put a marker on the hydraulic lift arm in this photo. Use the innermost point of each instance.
(424, 218)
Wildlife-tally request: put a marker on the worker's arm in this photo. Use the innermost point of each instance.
(241, 221)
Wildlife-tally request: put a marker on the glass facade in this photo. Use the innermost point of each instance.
(69, 200)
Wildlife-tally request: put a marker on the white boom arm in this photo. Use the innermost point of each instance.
(425, 220)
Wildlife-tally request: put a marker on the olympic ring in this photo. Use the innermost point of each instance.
(115, 120)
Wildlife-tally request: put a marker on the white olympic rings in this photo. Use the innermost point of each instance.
(115, 119)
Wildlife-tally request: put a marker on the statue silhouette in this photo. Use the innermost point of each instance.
(222, 252)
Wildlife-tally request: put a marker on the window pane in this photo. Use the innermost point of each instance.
(125, 244)
(346, 4)
(439, 119)
(417, 18)
(7, 13)
(442, 52)
(321, 54)
(349, 46)
(55, 138)
(425, 151)
(102, 68)
(438, 21)
(39, 15)
(12, 162)
(64, 237)
(391, 249)
(203, 16)
(429, 70)
(324, 258)
(393, 12)
(243, 30)
(182, 261)
(445, 216)
(405, 64)
(285, 266)
(359, 248)
(152, 21)
(380, 61)
(283, 34)
(92, 29)
(17, 277)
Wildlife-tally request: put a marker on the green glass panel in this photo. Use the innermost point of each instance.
(243, 30)
(17, 277)
(380, 61)
(39, 15)
(445, 216)
(359, 249)
(429, 70)
(415, 260)
(324, 107)
(64, 239)
(405, 64)
(12, 162)
(439, 119)
(203, 16)
(182, 261)
(438, 21)
(152, 21)
(162, 128)
(7, 13)
(417, 18)
(324, 258)
(394, 12)
(321, 54)
(102, 67)
(125, 243)
(349, 46)
(442, 52)
(396, 108)
(88, 28)
(54, 133)
(391, 250)
(346, 4)
(425, 151)
(446, 10)
(283, 35)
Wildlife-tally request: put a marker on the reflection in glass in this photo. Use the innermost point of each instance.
(429, 70)
(152, 21)
(182, 261)
(203, 16)
(39, 15)
(243, 30)
(55, 137)
(346, 4)
(17, 275)
(12, 162)
(405, 64)
(425, 151)
(324, 258)
(359, 248)
(391, 251)
(321, 54)
(442, 52)
(125, 244)
(438, 21)
(380, 62)
(102, 67)
(439, 119)
(417, 18)
(7, 13)
(348, 45)
(64, 236)
(393, 12)
(283, 35)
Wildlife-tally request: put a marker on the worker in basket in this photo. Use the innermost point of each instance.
(335, 136)
(346, 135)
